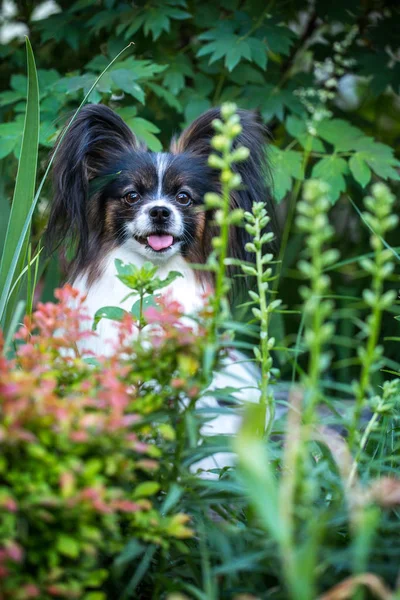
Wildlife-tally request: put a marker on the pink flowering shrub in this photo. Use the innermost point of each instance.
(81, 469)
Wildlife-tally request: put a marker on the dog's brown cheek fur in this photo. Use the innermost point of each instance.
(200, 250)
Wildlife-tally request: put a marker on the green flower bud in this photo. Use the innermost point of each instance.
(240, 154)
(228, 109)
(216, 162)
(220, 142)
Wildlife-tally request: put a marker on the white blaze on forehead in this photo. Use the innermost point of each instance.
(161, 167)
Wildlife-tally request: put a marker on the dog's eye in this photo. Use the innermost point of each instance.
(131, 197)
(183, 198)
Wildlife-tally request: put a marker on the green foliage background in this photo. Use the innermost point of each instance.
(325, 77)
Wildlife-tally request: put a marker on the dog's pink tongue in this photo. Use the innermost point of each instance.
(159, 242)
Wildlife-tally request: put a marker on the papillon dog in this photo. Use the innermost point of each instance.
(115, 199)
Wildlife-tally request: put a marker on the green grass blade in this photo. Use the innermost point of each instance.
(30, 263)
(25, 183)
(16, 320)
(13, 266)
(140, 572)
(4, 209)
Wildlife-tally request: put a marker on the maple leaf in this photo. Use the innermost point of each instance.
(224, 42)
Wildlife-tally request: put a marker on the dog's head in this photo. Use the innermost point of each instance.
(109, 190)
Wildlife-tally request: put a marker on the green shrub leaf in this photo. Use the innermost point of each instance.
(332, 170)
(68, 546)
(359, 169)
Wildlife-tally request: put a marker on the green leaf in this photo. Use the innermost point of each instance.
(158, 283)
(147, 488)
(137, 23)
(195, 105)
(5, 208)
(114, 313)
(286, 165)
(279, 37)
(255, 469)
(174, 78)
(139, 572)
(127, 113)
(68, 546)
(166, 95)
(19, 83)
(132, 550)
(96, 578)
(71, 85)
(98, 63)
(141, 69)
(47, 78)
(298, 129)
(106, 85)
(125, 81)
(144, 130)
(235, 53)
(10, 96)
(331, 170)
(134, 276)
(7, 145)
(375, 66)
(47, 134)
(61, 28)
(359, 169)
(174, 494)
(223, 41)
(245, 73)
(158, 19)
(369, 153)
(380, 159)
(258, 51)
(209, 358)
(341, 134)
(24, 186)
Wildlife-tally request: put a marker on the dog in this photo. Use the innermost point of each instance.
(115, 199)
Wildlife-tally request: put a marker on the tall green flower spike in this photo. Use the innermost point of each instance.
(227, 129)
(255, 225)
(380, 219)
(312, 219)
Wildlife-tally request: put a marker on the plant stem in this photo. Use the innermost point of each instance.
(266, 399)
(220, 283)
(369, 359)
(141, 311)
(313, 381)
(361, 447)
(291, 212)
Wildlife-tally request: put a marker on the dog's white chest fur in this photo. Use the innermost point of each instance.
(108, 290)
(236, 372)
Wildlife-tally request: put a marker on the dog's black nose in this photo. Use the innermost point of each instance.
(160, 214)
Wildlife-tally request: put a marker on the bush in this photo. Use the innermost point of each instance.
(85, 445)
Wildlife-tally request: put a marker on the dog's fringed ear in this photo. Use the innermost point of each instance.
(95, 138)
(196, 137)
(254, 171)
